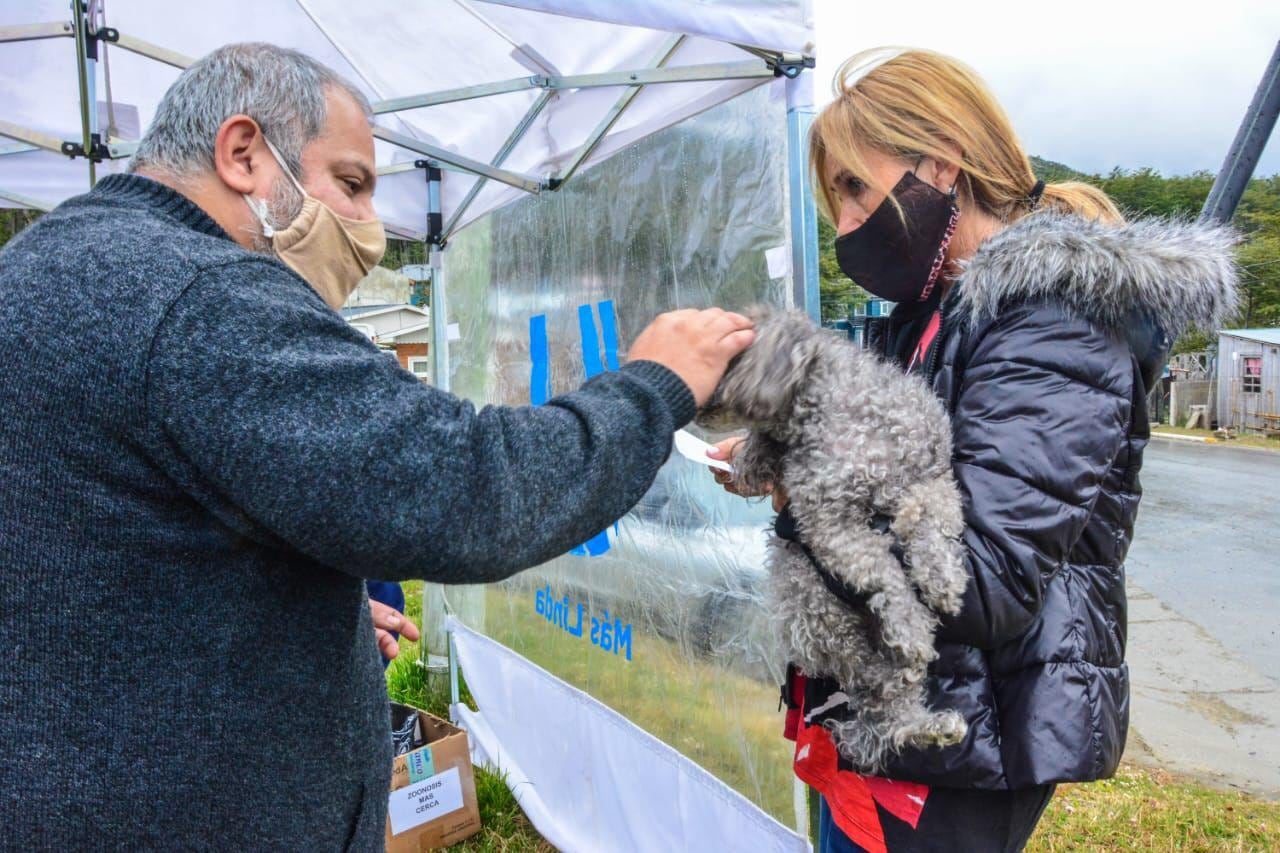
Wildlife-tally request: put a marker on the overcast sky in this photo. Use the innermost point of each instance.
(1089, 83)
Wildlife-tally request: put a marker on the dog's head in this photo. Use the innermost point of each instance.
(760, 385)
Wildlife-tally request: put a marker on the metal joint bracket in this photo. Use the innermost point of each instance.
(435, 219)
(109, 34)
(98, 150)
(434, 173)
(789, 65)
(553, 184)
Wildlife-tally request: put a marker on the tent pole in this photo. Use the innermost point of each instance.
(25, 202)
(439, 322)
(1251, 139)
(30, 137)
(35, 32)
(153, 51)
(435, 152)
(804, 214)
(455, 695)
(804, 278)
(435, 610)
(86, 54)
(435, 246)
(505, 151)
(669, 47)
(649, 76)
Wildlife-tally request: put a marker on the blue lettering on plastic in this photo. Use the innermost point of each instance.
(609, 634)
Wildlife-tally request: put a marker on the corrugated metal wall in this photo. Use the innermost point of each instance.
(1239, 409)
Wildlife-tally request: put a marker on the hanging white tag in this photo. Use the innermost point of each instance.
(691, 447)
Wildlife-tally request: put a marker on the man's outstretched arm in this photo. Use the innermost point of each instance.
(272, 403)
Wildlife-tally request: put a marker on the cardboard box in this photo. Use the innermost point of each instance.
(433, 789)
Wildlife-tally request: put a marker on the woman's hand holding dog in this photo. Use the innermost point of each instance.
(725, 451)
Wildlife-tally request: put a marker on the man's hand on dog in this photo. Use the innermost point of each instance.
(695, 345)
(725, 451)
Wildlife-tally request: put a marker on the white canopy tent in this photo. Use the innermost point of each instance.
(510, 97)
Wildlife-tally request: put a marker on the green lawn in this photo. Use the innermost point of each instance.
(1139, 809)
(1150, 810)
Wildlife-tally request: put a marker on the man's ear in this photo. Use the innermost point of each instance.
(239, 156)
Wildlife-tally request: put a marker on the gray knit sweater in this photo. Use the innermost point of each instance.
(199, 462)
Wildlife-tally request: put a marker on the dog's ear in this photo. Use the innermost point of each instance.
(761, 383)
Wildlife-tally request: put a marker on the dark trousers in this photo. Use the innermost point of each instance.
(952, 820)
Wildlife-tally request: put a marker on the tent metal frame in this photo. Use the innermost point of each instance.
(88, 35)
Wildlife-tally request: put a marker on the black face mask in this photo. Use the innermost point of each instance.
(898, 262)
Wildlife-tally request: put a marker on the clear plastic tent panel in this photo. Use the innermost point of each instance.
(660, 617)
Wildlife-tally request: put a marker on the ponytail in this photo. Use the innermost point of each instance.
(1080, 199)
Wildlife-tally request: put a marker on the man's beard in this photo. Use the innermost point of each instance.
(283, 206)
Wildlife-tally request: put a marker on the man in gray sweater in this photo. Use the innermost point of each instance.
(201, 461)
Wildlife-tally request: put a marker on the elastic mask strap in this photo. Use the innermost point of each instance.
(259, 206)
(279, 159)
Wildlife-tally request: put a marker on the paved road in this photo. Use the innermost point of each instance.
(1207, 543)
(1204, 599)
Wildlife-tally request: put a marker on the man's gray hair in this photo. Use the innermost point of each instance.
(281, 89)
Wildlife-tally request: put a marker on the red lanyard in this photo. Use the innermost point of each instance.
(926, 340)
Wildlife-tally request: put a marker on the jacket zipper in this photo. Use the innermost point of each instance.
(934, 356)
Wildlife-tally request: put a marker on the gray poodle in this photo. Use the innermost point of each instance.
(852, 439)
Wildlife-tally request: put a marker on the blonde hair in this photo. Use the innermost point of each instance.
(918, 103)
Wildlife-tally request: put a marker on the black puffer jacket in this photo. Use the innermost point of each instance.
(1049, 343)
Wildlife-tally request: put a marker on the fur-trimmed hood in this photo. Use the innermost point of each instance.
(1176, 274)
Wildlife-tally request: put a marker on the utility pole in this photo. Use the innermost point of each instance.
(1250, 139)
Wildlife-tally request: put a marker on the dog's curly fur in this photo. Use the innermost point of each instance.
(852, 437)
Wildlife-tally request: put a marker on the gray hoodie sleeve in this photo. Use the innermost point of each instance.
(310, 433)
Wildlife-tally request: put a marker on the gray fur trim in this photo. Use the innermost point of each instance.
(1180, 273)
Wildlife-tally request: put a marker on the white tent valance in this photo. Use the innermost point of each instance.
(509, 98)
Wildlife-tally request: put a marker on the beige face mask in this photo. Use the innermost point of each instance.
(330, 251)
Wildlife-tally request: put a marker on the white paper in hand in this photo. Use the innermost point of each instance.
(692, 447)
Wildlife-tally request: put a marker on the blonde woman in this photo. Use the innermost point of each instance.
(1040, 318)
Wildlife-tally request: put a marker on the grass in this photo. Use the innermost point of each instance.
(1246, 440)
(1139, 809)
(1151, 810)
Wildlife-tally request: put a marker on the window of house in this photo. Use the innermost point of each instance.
(420, 366)
(1252, 377)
